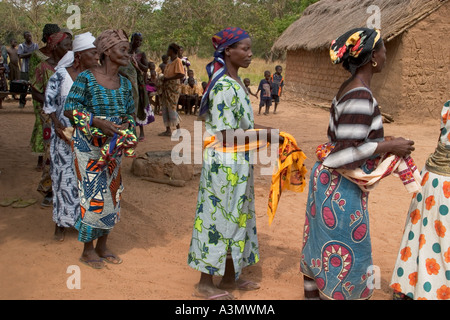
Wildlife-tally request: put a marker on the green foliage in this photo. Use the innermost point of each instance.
(190, 23)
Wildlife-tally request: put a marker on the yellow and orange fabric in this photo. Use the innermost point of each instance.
(290, 174)
(290, 171)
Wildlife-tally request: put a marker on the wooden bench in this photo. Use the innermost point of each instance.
(4, 94)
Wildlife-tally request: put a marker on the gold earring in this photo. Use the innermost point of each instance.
(374, 64)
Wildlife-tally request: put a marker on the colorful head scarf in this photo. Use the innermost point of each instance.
(354, 48)
(54, 39)
(216, 69)
(109, 38)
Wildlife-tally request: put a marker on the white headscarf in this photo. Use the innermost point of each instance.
(66, 61)
(83, 42)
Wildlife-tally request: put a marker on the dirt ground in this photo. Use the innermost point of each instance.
(154, 233)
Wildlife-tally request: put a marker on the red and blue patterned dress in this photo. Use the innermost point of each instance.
(337, 251)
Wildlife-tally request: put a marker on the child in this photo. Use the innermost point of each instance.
(189, 98)
(204, 85)
(277, 86)
(159, 84)
(190, 74)
(151, 86)
(150, 78)
(247, 87)
(151, 66)
(162, 66)
(265, 86)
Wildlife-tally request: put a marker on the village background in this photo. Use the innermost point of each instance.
(154, 234)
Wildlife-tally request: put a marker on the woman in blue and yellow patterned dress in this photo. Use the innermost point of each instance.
(101, 106)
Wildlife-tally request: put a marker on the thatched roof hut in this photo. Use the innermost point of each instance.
(416, 34)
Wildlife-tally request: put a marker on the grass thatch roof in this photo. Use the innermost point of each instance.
(326, 20)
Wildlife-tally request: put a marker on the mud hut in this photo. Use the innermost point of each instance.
(416, 79)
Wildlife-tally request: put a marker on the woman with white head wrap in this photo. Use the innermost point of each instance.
(66, 205)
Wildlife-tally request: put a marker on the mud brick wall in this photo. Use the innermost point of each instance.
(312, 76)
(414, 83)
(426, 64)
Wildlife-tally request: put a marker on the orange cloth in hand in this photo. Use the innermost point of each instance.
(290, 174)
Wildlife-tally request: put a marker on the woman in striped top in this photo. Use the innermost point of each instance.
(336, 258)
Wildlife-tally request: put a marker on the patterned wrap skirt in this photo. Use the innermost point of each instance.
(337, 251)
(225, 220)
(169, 102)
(99, 187)
(66, 204)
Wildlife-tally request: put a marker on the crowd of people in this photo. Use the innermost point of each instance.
(14, 64)
(91, 93)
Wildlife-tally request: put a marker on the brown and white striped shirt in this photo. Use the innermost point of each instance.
(355, 128)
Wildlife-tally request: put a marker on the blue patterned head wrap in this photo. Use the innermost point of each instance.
(216, 68)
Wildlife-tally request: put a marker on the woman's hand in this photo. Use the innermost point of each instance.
(233, 137)
(402, 147)
(59, 130)
(399, 146)
(124, 126)
(59, 127)
(108, 128)
(134, 61)
(269, 133)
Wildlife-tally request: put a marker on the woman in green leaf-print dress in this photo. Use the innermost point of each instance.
(225, 217)
(224, 238)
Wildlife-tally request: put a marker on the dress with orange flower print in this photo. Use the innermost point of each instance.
(422, 269)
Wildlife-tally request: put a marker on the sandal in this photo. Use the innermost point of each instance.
(94, 263)
(47, 202)
(24, 203)
(244, 285)
(220, 295)
(199, 294)
(165, 134)
(115, 259)
(248, 286)
(9, 201)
